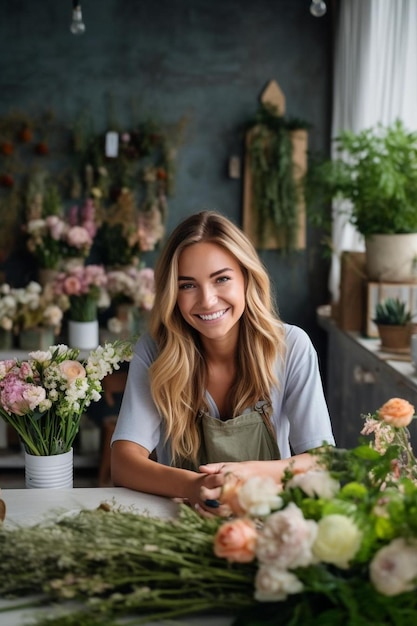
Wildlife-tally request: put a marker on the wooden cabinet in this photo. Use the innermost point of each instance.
(360, 379)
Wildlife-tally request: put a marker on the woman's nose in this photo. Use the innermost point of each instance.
(208, 296)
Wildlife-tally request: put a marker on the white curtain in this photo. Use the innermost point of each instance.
(375, 80)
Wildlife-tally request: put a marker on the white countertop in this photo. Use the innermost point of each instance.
(30, 506)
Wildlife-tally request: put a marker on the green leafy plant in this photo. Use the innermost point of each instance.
(377, 172)
(392, 312)
(275, 191)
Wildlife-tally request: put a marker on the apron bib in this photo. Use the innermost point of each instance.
(246, 437)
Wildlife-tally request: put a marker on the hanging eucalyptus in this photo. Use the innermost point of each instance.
(276, 193)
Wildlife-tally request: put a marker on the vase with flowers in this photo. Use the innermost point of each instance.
(56, 241)
(38, 316)
(132, 293)
(84, 287)
(43, 399)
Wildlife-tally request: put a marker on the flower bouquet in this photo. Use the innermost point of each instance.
(84, 286)
(36, 307)
(52, 239)
(44, 397)
(337, 544)
(131, 291)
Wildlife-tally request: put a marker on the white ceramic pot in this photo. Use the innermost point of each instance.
(49, 472)
(392, 258)
(83, 335)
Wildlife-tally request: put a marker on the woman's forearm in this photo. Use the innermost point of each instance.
(132, 468)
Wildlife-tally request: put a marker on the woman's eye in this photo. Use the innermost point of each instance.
(184, 286)
(223, 279)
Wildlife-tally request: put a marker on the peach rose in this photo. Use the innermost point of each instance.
(72, 370)
(230, 494)
(236, 541)
(396, 412)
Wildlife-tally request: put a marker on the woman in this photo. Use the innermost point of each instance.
(221, 383)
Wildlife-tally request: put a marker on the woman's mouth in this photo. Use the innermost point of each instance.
(212, 316)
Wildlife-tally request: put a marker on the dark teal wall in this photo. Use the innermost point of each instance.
(208, 60)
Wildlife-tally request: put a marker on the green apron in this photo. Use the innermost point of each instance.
(246, 437)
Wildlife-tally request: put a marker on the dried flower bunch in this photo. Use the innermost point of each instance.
(336, 544)
(44, 397)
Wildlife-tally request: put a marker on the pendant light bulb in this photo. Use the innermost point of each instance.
(318, 8)
(77, 26)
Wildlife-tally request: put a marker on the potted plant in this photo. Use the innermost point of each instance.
(377, 173)
(393, 321)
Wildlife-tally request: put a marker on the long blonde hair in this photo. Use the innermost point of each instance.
(178, 375)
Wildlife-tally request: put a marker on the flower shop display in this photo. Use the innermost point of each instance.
(132, 293)
(48, 165)
(43, 398)
(336, 544)
(84, 286)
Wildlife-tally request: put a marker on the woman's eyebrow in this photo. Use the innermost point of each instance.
(225, 269)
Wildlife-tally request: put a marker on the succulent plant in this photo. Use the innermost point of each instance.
(392, 312)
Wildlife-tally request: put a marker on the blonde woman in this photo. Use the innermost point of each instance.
(220, 383)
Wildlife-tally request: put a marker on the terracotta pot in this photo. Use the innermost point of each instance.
(395, 338)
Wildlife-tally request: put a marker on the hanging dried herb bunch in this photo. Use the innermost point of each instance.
(276, 193)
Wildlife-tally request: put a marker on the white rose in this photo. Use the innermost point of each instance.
(259, 496)
(393, 569)
(315, 483)
(338, 540)
(273, 584)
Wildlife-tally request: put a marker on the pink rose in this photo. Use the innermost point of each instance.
(78, 237)
(72, 370)
(236, 541)
(72, 286)
(396, 412)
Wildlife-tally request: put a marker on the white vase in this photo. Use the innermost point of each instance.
(83, 335)
(392, 258)
(49, 472)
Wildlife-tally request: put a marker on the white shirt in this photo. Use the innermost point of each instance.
(299, 415)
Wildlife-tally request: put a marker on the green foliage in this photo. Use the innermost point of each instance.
(392, 312)
(275, 192)
(377, 172)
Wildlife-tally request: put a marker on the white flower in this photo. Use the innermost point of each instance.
(258, 496)
(287, 538)
(115, 325)
(338, 540)
(273, 584)
(315, 483)
(40, 356)
(393, 569)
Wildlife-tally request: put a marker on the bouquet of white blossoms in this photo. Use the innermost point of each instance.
(334, 545)
(44, 397)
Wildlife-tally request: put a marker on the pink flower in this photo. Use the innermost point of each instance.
(393, 570)
(78, 237)
(236, 541)
(72, 370)
(287, 539)
(19, 397)
(56, 227)
(72, 286)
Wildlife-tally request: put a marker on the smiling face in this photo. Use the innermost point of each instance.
(211, 290)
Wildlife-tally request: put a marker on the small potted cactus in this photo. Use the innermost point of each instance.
(393, 320)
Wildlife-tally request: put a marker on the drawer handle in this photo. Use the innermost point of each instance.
(362, 376)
